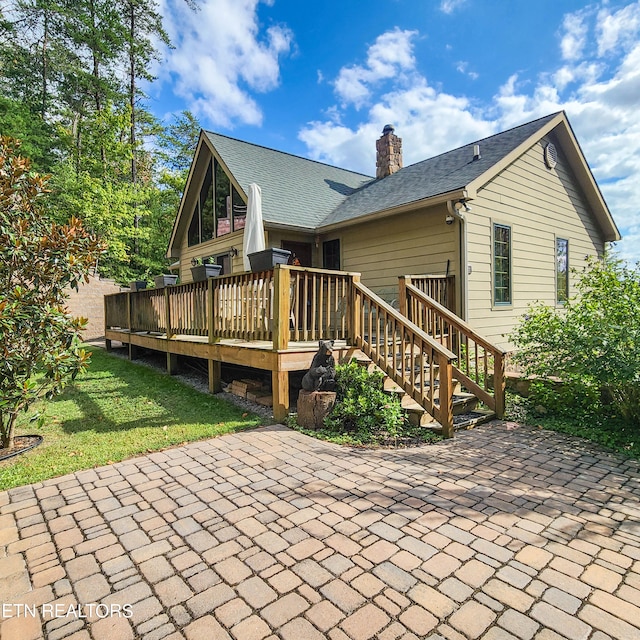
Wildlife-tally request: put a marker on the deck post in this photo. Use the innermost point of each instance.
(499, 384)
(446, 396)
(280, 389)
(215, 376)
(210, 322)
(402, 294)
(107, 324)
(355, 303)
(281, 308)
(172, 363)
(167, 312)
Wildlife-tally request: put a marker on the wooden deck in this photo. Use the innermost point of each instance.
(272, 321)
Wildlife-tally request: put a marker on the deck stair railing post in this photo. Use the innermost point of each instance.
(480, 364)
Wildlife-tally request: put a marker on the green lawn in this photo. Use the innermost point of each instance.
(116, 410)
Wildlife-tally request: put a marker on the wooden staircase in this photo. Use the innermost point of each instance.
(466, 413)
(439, 363)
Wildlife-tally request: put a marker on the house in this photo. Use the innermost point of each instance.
(422, 271)
(506, 218)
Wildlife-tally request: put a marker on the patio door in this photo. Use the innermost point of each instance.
(300, 250)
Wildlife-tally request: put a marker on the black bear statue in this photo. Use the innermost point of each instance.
(322, 374)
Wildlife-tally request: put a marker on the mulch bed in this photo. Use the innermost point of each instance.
(22, 444)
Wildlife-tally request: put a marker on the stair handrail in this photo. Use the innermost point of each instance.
(495, 402)
(443, 411)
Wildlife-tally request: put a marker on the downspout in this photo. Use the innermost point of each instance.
(455, 208)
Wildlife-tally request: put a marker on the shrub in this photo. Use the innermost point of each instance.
(592, 345)
(362, 405)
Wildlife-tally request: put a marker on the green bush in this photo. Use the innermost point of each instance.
(363, 407)
(592, 345)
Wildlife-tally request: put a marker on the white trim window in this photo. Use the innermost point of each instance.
(562, 270)
(501, 264)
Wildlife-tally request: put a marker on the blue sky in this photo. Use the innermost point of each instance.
(320, 79)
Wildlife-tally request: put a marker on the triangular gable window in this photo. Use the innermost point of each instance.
(219, 208)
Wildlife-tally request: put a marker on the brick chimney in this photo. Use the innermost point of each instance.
(389, 153)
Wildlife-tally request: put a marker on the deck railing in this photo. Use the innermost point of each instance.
(480, 364)
(441, 288)
(281, 305)
(243, 305)
(319, 308)
(411, 358)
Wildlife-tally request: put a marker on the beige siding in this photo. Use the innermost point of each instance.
(273, 238)
(211, 247)
(413, 243)
(539, 204)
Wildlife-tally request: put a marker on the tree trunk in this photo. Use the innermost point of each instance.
(7, 430)
(132, 92)
(96, 79)
(45, 69)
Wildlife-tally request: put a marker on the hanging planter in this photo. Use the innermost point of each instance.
(269, 258)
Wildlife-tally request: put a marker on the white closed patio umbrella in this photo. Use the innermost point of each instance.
(254, 228)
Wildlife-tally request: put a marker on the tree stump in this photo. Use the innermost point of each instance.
(313, 406)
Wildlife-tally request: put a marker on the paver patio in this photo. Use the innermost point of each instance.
(503, 532)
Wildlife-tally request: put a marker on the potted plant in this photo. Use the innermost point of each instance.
(203, 268)
(137, 285)
(268, 258)
(165, 280)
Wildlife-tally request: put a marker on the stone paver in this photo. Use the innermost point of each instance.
(505, 532)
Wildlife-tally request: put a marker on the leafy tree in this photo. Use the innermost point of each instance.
(144, 28)
(40, 141)
(39, 259)
(592, 345)
(177, 143)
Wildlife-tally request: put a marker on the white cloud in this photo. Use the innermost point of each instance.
(389, 57)
(597, 84)
(433, 122)
(449, 6)
(575, 36)
(463, 67)
(217, 64)
(619, 28)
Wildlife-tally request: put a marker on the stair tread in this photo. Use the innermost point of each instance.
(465, 420)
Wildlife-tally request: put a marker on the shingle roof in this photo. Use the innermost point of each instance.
(441, 174)
(295, 191)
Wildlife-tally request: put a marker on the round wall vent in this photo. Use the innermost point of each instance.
(550, 155)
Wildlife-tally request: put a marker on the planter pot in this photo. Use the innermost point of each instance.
(201, 272)
(267, 259)
(165, 280)
(137, 285)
